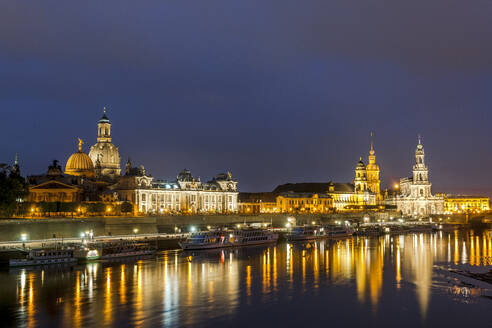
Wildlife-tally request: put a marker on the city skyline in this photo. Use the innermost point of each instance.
(393, 180)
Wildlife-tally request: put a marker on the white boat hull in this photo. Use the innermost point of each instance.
(24, 262)
(127, 254)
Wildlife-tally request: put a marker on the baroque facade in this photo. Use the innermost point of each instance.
(415, 197)
(458, 204)
(372, 170)
(186, 195)
(104, 155)
(304, 203)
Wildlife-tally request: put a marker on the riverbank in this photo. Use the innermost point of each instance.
(50, 227)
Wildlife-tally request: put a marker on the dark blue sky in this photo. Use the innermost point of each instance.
(275, 91)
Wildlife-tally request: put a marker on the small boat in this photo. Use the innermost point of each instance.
(45, 256)
(307, 232)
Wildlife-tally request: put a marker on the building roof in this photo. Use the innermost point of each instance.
(313, 187)
(303, 195)
(104, 118)
(464, 196)
(256, 197)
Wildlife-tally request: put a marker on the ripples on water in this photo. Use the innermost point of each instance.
(385, 281)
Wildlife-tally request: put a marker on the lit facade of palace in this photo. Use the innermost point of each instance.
(186, 195)
(464, 204)
(304, 203)
(415, 196)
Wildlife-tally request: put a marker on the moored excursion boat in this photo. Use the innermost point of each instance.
(119, 249)
(223, 238)
(337, 231)
(246, 237)
(369, 230)
(445, 227)
(45, 256)
(205, 240)
(306, 232)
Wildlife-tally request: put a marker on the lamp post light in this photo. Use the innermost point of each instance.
(135, 232)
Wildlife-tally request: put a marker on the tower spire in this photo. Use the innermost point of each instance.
(372, 140)
(16, 168)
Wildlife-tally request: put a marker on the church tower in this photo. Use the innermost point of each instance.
(104, 154)
(360, 181)
(104, 128)
(421, 173)
(373, 181)
(16, 168)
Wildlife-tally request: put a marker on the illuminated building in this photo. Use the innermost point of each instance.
(372, 170)
(104, 154)
(343, 196)
(78, 183)
(463, 204)
(415, 196)
(257, 202)
(54, 187)
(360, 180)
(304, 203)
(186, 195)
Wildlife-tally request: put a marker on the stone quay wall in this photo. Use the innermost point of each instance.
(12, 229)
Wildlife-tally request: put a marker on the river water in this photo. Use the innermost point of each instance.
(386, 281)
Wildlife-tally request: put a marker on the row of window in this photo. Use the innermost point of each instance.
(189, 198)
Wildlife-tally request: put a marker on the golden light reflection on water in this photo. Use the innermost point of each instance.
(108, 306)
(31, 320)
(122, 284)
(219, 282)
(77, 318)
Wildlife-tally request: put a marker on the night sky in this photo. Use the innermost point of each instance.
(274, 91)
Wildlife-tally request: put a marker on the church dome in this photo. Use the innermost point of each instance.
(80, 164)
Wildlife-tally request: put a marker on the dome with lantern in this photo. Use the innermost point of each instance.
(80, 164)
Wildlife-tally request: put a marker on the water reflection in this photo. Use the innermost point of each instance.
(179, 288)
